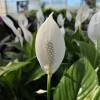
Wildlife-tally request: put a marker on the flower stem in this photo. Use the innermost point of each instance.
(49, 83)
(96, 48)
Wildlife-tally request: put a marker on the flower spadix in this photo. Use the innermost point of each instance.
(94, 28)
(50, 46)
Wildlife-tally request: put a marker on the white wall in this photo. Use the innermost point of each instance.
(11, 6)
(2, 7)
(34, 4)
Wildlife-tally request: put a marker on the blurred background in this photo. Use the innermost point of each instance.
(20, 73)
(12, 7)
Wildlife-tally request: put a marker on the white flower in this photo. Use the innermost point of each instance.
(50, 46)
(94, 28)
(17, 32)
(82, 15)
(41, 91)
(22, 21)
(27, 35)
(62, 29)
(60, 20)
(68, 15)
(19, 37)
(40, 18)
(9, 23)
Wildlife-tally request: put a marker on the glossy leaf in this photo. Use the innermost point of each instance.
(38, 73)
(12, 66)
(88, 50)
(80, 82)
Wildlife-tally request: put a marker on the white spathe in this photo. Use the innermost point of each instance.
(40, 18)
(94, 28)
(68, 15)
(27, 35)
(82, 14)
(60, 20)
(11, 25)
(23, 23)
(49, 45)
(41, 91)
(62, 29)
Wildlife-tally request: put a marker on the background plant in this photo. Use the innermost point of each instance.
(76, 79)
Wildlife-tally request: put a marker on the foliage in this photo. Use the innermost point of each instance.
(76, 79)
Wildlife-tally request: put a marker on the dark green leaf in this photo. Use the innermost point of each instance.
(88, 50)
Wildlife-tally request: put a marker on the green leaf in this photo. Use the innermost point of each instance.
(12, 66)
(30, 49)
(79, 36)
(88, 50)
(78, 83)
(38, 73)
(97, 94)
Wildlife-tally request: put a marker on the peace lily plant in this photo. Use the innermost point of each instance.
(61, 22)
(23, 25)
(50, 48)
(68, 15)
(94, 29)
(21, 77)
(40, 18)
(22, 21)
(16, 31)
(82, 14)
